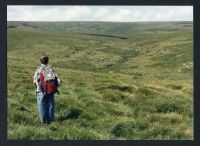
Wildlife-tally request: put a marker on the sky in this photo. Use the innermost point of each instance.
(99, 13)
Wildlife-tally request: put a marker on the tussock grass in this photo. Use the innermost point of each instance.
(113, 89)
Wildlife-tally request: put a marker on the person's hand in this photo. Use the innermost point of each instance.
(34, 82)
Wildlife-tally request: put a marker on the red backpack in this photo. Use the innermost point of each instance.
(48, 80)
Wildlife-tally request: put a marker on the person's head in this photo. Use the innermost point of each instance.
(44, 59)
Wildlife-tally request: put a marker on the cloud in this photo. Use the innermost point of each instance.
(100, 13)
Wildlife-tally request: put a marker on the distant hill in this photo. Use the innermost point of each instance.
(110, 28)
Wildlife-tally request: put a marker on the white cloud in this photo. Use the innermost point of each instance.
(100, 13)
(76, 12)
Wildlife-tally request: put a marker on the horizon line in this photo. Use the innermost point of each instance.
(100, 21)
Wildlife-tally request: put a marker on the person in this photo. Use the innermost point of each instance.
(45, 100)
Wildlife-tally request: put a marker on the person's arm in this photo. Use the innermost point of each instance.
(35, 78)
(57, 79)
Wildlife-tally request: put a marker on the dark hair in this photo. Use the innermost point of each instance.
(44, 59)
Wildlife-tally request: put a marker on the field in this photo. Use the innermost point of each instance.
(121, 81)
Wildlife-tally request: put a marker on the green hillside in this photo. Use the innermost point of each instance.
(120, 80)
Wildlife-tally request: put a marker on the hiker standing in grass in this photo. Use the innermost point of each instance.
(46, 82)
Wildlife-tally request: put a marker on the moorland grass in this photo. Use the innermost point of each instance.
(134, 89)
